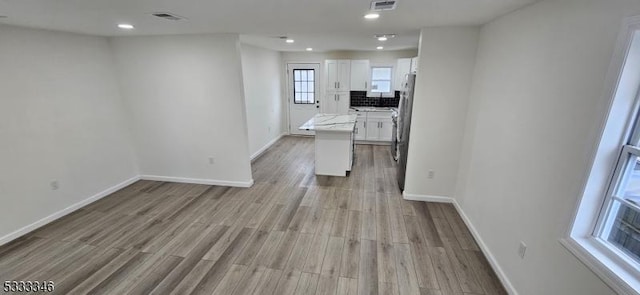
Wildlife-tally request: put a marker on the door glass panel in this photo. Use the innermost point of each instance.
(303, 86)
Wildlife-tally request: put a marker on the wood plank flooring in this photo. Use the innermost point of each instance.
(292, 233)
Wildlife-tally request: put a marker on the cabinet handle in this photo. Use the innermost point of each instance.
(365, 124)
(365, 85)
(335, 84)
(338, 85)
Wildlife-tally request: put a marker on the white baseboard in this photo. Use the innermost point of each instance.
(371, 142)
(198, 181)
(31, 227)
(485, 250)
(476, 235)
(266, 147)
(427, 198)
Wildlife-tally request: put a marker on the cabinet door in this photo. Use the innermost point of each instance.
(414, 65)
(373, 129)
(344, 75)
(342, 102)
(386, 130)
(360, 132)
(359, 75)
(332, 75)
(403, 68)
(330, 104)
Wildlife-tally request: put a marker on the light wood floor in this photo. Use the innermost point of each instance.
(291, 233)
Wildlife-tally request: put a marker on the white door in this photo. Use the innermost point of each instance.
(303, 95)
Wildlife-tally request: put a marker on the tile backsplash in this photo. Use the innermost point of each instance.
(360, 99)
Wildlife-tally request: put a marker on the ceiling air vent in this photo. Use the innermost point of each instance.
(167, 15)
(383, 5)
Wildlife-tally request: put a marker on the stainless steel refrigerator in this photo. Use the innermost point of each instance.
(404, 126)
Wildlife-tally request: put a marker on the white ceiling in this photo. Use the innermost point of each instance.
(321, 24)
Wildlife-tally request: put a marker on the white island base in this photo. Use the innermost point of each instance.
(333, 143)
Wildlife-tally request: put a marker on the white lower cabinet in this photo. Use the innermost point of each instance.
(386, 130)
(373, 126)
(337, 103)
(373, 129)
(360, 132)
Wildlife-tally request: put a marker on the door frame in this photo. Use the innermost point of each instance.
(287, 84)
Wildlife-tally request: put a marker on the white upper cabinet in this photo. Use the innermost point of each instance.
(338, 75)
(360, 75)
(414, 65)
(403, 67)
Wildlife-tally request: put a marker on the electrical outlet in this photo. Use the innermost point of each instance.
(522, 249)
(431, 174)
(55, 185)
(212, 161)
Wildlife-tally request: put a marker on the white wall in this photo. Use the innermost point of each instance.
(266, 109)
(536, 105)
(61, 118)
(186, 99)
(445, 68)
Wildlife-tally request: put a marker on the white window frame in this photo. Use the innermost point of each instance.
(622, 84)
(392, 92)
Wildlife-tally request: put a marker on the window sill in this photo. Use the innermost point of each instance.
(591, 252)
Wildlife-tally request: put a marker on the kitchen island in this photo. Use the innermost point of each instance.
(333, 143)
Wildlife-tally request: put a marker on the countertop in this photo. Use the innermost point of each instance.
(330, 122)
(373, 109)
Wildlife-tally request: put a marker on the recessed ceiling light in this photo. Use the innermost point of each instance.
(384, 37)
(290, 41)
(371, 15)
(309, 49)
(125, 26)
(379, 47)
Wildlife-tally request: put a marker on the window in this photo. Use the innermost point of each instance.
(605, 232)
(620, 225)
(381, 79)
(303, 86)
